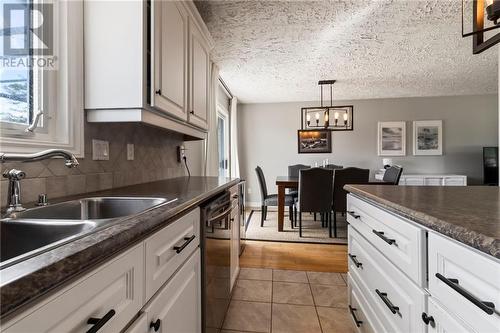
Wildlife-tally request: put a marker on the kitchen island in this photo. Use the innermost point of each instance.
(40, 280)
(424, 258)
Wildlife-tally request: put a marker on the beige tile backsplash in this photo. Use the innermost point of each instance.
(155, 159)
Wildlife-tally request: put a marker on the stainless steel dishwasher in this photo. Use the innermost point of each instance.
(216, 263)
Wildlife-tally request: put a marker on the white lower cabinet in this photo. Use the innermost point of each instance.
(440, 321)
(110, 295)
(177, 306)
(417, 280)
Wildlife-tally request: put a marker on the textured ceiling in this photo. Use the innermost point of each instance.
(276, 51)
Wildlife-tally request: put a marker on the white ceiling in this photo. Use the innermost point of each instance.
(276, 51)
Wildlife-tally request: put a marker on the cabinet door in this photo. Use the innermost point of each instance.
(113, 292)
(200, 77)
(170, 58)
(235, 244)
(177, 306)
(444, 322)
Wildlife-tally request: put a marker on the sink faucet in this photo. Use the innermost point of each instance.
(14, 176)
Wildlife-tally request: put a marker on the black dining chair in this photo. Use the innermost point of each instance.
(392, 175)
(293, 171)
(342, 177)
(333, 166)
(271, 199)
(315, 194)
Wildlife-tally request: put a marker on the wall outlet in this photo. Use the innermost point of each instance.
(130, 152)
(100, 150)
(181, 152)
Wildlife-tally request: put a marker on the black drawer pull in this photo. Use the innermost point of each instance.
(353, 310)
(488, 307)
(355, 261)
(353, 214)
(428, 319)
(155, 325)
(384, 238)
(178, 249)
(394, 309)
(100, 322)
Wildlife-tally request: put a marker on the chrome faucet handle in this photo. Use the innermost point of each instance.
(14, 174)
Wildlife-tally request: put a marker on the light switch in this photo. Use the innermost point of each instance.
(130, 151)
(100, 150)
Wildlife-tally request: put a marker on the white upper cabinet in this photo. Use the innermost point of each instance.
(170, 58)
(199, 75)
(147, 62)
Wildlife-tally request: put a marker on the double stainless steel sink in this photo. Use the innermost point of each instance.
(33, 231)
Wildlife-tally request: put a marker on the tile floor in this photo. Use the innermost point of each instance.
(276, 301)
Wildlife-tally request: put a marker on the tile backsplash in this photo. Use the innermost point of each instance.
(155, 159)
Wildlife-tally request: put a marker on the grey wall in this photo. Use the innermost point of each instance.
(268, 136)
(155, 159)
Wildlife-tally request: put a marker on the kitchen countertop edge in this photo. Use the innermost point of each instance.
(487, 245)
(55, 268)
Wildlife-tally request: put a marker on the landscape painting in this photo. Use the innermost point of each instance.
(392, 138)
(427, 137)
(314, 141)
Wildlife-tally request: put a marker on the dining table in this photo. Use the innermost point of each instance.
(284, 182)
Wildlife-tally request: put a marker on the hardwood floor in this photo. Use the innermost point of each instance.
(295, 256)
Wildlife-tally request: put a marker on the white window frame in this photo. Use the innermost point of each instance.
(223, 113)
(64, 118)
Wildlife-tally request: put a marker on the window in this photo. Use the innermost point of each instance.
(16, 89)
(223, 140)
(41, 75)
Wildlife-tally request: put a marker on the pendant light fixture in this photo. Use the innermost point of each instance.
(482, 23)
(333, 118)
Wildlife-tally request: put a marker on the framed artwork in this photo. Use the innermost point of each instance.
(314, 141)
(428, 137)
(392, 138)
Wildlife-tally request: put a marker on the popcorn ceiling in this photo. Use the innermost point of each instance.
(276, 51)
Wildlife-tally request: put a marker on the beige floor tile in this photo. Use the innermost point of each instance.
(231, 331)
(289, 318)
(253, 290)
(344, 276)
(256, 274)
(292, 293)
(248, 316)
(331, 296)
(326, 278)
(335, 320)
(289, 276)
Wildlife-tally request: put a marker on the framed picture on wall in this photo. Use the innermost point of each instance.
(314, 141)
(428, 137)
(392, 138)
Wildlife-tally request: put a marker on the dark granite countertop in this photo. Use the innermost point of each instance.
(468, 214)
(26, 281)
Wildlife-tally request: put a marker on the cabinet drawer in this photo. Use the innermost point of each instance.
(401, 242)
(167, 249)
(397, 301)
(455, 181)
(117, 286)
(443, 321)
(463, 281)
(362, 314)
(433, 181)
(177, 306)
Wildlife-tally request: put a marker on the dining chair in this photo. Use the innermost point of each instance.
(392, 175)
(271, 199)
(293, 171)
(342, 177)
(315, 194)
